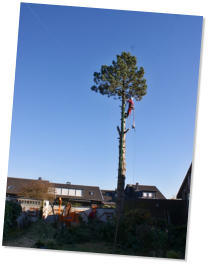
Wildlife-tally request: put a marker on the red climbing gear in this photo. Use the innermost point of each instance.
(130, 107)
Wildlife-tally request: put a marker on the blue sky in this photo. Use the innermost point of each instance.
(63, 131)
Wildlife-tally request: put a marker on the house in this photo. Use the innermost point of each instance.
(109, 197)
(143, 192)
(80, 195)
(15, 185)
(133, 192)
(184, 190)
(84, 195)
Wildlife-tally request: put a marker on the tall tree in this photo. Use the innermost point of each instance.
(122, 80)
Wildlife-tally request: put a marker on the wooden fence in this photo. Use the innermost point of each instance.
(174, 211)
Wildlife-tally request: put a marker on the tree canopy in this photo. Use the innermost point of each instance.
(39, 189)
(123, 77)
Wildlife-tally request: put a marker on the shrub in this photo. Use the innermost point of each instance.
(140, 234)
(80, 234)
(12, 211)
(64, 236)
(160, 223)
(172, 254)
(144, 240)
(107, 231)
(39, 244)
(92, 231)
(101, 231)
(177, 238)
(51, 245)
(131, 221)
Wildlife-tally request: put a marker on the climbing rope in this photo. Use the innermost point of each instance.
(134, 156)
(133, 125)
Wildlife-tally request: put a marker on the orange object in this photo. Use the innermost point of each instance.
(67, 216)
(59, 208)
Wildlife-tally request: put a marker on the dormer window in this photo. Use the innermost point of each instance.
(148, 195)
(68, 192)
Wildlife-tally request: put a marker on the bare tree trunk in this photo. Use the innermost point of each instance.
(121, 172)
(122, 165)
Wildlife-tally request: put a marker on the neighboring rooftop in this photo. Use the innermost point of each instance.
(185, 186)
(109, 195)
(15, 185)
(145, 189)
(84, 193)
(89, 193)
(74, 192)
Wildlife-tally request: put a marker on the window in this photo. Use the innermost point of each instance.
(68, 192)
(75, 192)
(78, 193)
(148, 194)
(91, 193)
(71, 192)
(65, 191)
(58, 191)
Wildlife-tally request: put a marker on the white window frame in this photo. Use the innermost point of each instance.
(78, 192)
(72, 192)
(58, 189)
(65, 191)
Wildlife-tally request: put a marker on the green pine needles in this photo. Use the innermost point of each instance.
(122, 78)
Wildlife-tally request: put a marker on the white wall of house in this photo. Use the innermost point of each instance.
(102, 214)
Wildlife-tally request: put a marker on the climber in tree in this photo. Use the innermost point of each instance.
(130, 107)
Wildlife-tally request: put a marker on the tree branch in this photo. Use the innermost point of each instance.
(126, 131)
(118, 129)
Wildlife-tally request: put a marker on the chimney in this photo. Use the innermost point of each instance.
(137, 184)
(69, 183)
(40, 178)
